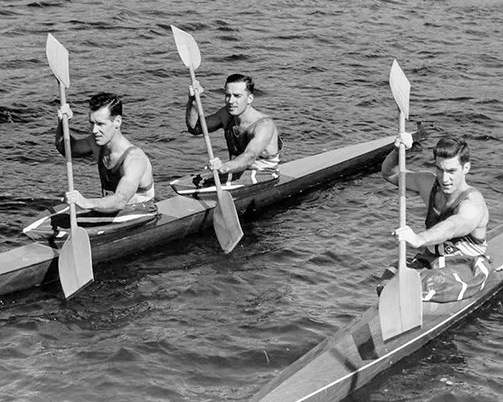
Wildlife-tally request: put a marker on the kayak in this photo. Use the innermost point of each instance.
(353, 356)
(180, 215)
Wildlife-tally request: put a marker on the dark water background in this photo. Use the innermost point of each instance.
(185, 322)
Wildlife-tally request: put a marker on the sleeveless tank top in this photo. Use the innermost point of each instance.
(465, 245)
(237, 141)
(110, 179)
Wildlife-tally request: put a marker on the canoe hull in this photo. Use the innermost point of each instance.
(353, 356)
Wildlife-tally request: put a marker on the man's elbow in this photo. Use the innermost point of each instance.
(194, 130)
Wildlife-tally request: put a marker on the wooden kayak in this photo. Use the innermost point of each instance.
(36, 263)
(346, 361)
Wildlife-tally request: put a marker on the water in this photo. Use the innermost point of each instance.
(185, 322)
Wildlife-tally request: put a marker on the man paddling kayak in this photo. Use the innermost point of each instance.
(252, 137)
(456, 222)
(125, 170)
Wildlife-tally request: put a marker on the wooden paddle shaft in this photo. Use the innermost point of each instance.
(68, 155)
(402, 189)
(204, 127)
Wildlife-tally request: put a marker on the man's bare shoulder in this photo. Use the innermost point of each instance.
(137, 152)
(223, 114)
(421, 181)
(263, 121)
(475, 196)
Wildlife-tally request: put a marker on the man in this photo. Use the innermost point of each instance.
(252, 137)
(457, 215)
(125, 170)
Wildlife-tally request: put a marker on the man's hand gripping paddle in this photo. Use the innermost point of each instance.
(400, 303)
(75, 260)
(225, 217)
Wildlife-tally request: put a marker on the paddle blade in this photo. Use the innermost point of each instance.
(57, 55)
(75, 262)
(400, 304)
(400, 87)
(226, 222)
(187, 48)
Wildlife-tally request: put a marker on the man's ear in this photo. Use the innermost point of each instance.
(467, 167)
(117, 122)
(250, 98)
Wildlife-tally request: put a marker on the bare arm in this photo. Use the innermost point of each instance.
(134, 168)
(80, 147)
(420, 182)
(262, 137)
(213, 121)
(471, 214)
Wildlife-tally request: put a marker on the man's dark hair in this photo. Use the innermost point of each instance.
(250, 85)
(112, 101)
(449, 147)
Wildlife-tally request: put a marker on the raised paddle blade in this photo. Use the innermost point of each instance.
(75, 266)
(187, 48)
(57, 55)
(400, 87)
(400, 302)
(226, 222)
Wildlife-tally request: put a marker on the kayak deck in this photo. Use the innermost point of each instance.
(349, 359)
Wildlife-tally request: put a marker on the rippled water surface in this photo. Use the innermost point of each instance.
(185, 322)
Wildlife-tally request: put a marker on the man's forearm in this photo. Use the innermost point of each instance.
(192, 117)
(389, 167)
(440, 233)
(240, 163)
(59, 139)
(110, 203)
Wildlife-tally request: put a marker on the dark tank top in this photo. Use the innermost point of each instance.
(237, 140)
(433, 216)
(110, 177)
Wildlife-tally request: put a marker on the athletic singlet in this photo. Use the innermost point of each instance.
(238, 140)
(466, 245)
(110, 179)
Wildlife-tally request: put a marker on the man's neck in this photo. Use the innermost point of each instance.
(246, 118)
(118, 144)
(450, 198)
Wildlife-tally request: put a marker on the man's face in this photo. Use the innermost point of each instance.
(237, 98)
(451, 174)
(102, 127)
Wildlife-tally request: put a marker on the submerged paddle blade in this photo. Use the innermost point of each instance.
(187, 48)
(400, 304)
(226, 222)
(400, 87)
(74, 265)
(57, 55)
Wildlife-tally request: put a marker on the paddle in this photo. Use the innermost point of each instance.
(400, 303)
(225, 217)
(75, 262)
